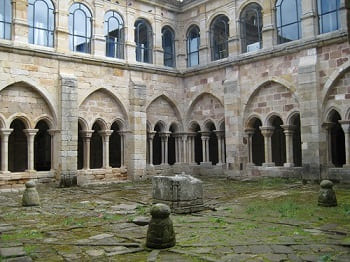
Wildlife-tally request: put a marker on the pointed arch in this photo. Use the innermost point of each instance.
(2, 121)
(169, 100)
(198, 98)
(83, 124)
(102, 123)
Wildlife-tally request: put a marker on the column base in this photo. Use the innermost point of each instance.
(268, 164)
(206, 164)
(288, 165)
(346, 166)
(250, 165)
(5, 172)
(30, 171)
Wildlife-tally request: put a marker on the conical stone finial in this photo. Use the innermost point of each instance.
(327, 197)
(30, 195)
(160, 232)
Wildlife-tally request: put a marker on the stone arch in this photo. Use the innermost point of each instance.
(278, 140)
(18, 146)
(83, 123)
(102, 104)
(216, 14)
(291, 117)
(221, 125)
(162, 125)
(101, 122)
(246, 3)
(271, 117)
(205, 106)
(337, 139)
(86, 3)
(188, 25)
(330, 111)
(47, 119)
(163, 109)
(207, 125)
(42, 146)
(45, 95)
(192, 126)
(2, 121)
(23, 117)
(120, 122)
(249, 123)
(347, 115)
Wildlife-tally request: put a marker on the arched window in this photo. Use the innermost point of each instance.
(219, 35)
(80, 28)
(5, 19)
(41, 20)
(288, 13)
(168, 37)
(143, 40)
(251, 25)
(328, 15)
(114, 33)
(193, 42)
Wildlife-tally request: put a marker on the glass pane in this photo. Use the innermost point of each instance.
(8, 11)
(329, 23)
(79, 23)
(50, 39)
(40, 37)
(194, 59)
(31, 35)
(41, 12)
(7, 31)
(289, 33)
(30, 15)
(289, 12)
(51, 20)
(193, 44)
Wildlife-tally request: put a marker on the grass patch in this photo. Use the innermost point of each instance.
(19, 235)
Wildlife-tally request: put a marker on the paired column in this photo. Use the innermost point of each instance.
(345, 124)
(30, 133)
(288, 132)
(250, 132)
(164, 139)
(105, 139)
(184, 151)
(5, 133)
(267, 132)
(328, 126)
(205, 145)
(150, 146)
(191, 149)
(86, 136)
(221, 146)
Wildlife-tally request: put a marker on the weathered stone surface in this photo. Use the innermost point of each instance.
(327, 197)
(141, 221)
(183, 193)
(11, 252)
(95, 252)
(160, 232)
(100, 236)
(30, 195)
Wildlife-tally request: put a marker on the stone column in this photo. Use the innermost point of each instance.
(30, 133)
(191, 137)
(157, 38)
(268, 24)
(68, 138)
(98, 39)
(105, 138)
(86, 136)
(20, 21)
(123, 147)
(205, 146)
(328, 127)
(308, 21)
(345, 124)
(184, 151)
(219, 135)
(150, 146)
(164, 139)
(52, 133)
(5, 133)
(288, 132)
(250, 132)
(267, 132)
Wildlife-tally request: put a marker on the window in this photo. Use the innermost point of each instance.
(114, 33)
(328, 15)
(41, 20)
(5, 19)
(288, 13)
(80, 28)
(251, 25)
(168, 46)
(219, 35)
(193, 41)
(143, 40)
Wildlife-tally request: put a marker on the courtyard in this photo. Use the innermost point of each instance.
(250, 220)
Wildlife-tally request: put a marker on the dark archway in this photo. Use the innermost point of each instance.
(297, 154)
(80, 148)
(213, 144)
(337, 140)
(171, 145)
(115, 146)
(18, 148)
(278, 141)
(198, 150)
(157, 146)
(258, 153)
(96, 148)
(42, 147)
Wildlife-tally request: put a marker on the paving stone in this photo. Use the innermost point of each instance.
(100, 236)
(5, 228)
(275, 257)
(12, 252)
(115, 249)
(141, 221)
(95, 252)
(18, 259)
(260, 249)
(311, 258)
(294, 257)
(152, 257)
(281, 249)
(241, 249)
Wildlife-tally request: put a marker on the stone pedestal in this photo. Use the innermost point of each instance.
(183, 193)
(160, 233)
(326, 197)
(30, 195)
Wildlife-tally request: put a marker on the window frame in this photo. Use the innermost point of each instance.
(214, 45)
(50, 17)
(188, 45)
(6, 24)
(139, 49)
(320, 16)
(72, 35)
(278, 20)
(172, 54)
(251, 7)
(119, 44)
